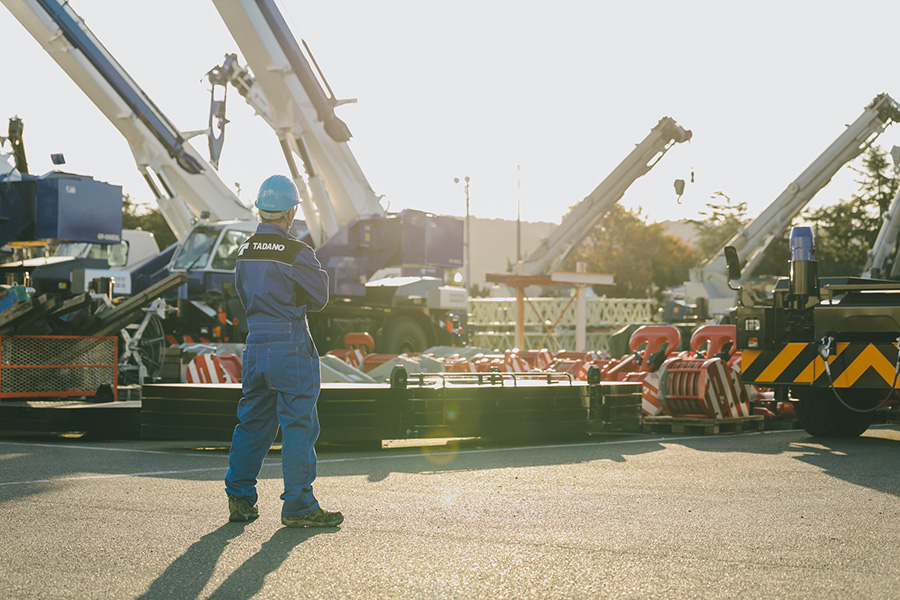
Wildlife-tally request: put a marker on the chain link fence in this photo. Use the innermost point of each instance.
(56, 366)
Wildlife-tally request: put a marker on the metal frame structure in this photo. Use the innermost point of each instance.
(552, 321)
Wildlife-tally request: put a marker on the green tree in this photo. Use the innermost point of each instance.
(776, 258)
(845, 232)
(724, 218)
(642, 258)
(878, 182)
(141, 216)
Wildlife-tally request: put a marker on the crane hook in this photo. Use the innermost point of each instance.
(679, 189)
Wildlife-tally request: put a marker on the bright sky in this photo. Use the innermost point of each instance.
(564, 89)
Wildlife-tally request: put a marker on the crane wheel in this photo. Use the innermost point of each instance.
(403, 335)
(822, 414)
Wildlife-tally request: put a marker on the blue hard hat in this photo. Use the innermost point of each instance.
(277, 193)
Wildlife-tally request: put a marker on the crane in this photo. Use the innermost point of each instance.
(876, 263)
(554, 249)
(185, 186)
(354, 237)
(709, 281)
(283, 87)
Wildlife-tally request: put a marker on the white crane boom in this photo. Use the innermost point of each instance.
(285, 91)
(887, 235)
(553, 250)
(884, 243)
(185, 185)
(710, 280)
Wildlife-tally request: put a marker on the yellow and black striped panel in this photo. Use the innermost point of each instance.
(860, 365)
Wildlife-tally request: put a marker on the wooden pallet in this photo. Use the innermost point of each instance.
(701, 426)
(783, 424)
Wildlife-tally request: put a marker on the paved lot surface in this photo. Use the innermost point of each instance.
(770, 515)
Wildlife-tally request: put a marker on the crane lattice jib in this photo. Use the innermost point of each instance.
(553, 250)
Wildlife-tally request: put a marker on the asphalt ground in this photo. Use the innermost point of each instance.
(761, 515)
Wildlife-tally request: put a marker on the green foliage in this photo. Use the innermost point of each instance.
(845, 232)
(141, 216)
(643, 259)
(878, 183)
(776, 259)
(479, 291)
(724, 218)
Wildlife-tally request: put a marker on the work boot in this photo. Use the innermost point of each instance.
(317, 518)
(241, 510)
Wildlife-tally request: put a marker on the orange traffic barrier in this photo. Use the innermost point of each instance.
(716, 336)
(699, 387)
(211, 368)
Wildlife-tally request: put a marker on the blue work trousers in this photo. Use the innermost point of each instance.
(280, 385)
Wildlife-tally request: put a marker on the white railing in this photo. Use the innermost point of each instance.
(550, 322)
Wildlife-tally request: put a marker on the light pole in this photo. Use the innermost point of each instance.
(467, 238)
(518, 213)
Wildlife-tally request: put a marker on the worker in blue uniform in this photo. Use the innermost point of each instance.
(278, 279)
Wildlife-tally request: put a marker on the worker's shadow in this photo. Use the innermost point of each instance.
(189, 574)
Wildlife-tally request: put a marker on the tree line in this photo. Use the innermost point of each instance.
(142, 216)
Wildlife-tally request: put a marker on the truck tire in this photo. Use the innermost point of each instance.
(822, 414)
(403, 335)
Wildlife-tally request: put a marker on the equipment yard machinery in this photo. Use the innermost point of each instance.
(355, 238)
(830, 344)
(707, 283)
(83, 218)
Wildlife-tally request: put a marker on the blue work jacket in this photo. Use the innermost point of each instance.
(278, 279)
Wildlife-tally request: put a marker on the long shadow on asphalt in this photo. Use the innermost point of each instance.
(190, 573)
(863, 461)
(38, 465)
(486, 454)
(868, 461)
(33, 465)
